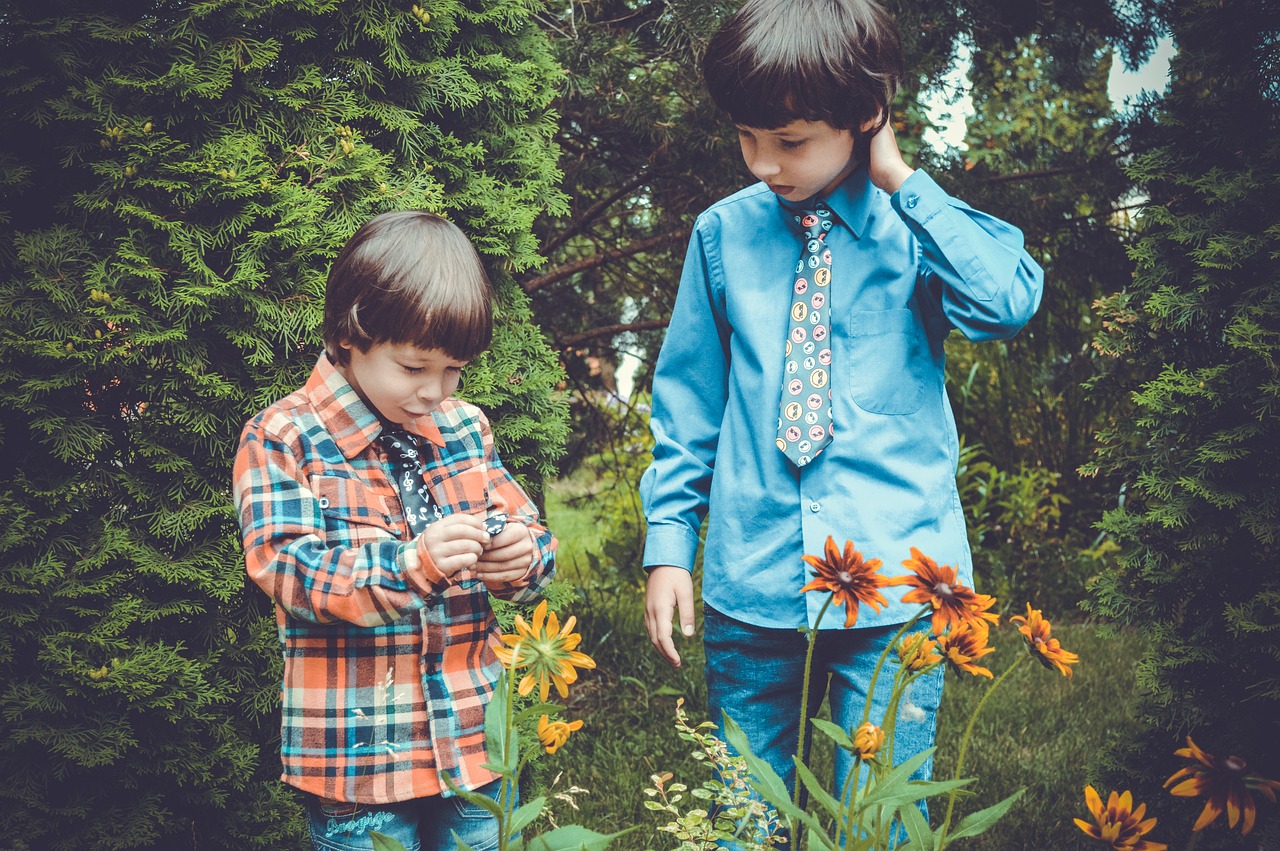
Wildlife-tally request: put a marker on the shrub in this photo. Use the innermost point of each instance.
(176, 178)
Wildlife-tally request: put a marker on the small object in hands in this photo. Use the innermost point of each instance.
(495, 523)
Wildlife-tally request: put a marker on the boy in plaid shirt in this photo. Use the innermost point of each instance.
(362, 499)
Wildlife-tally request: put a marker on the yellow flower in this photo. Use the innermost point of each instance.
(1225, 782)
(1035, 629)
(849, 579)
(867, 741)
(553, 734)
(937, 585)
(918, 651)
(1118, 826)
(546, 651)
(963, 645)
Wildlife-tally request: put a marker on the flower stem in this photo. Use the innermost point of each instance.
(964, 748)
(506, 788)
(804, 693)
(884, 654)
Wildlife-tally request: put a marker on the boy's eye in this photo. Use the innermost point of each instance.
(413, 370)
(792, 144)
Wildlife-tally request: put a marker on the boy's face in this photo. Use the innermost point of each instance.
(800, 159)
(401, 381)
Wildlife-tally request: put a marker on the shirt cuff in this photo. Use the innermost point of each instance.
(919, 198)
(420, 572)
(670, 545)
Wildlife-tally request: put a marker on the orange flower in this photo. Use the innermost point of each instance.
(867, 741)
(553, 734)
(1119, 826)
(1035, 629)
(546, 650)
(918, 651)
(963, 645)
(849, 579)
(1224, 782)
(937, 585)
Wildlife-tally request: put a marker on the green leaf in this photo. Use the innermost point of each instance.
(898, 795)
(481, 801)
(525, 814)
(549, 709)
(835, 732)
(975, 823)
(495, 729)
(573, 837)
(772, 788)
(918, 832)
(817, 790)
(382, 842)
(893, 782)
(764, 780)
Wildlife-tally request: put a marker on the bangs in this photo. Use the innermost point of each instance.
(409, 278)
(430, 311)
(837, 61)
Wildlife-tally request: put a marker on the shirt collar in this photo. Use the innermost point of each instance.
(850, 201)
(346, 416)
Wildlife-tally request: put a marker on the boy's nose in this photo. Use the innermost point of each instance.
(763, 167)
(431, 391)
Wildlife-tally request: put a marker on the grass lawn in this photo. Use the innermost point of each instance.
(1038, 731)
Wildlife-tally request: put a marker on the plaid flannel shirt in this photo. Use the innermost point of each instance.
(388, 664)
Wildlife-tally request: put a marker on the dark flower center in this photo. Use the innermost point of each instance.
(845, 577)
(942, 589)
(1234, 765)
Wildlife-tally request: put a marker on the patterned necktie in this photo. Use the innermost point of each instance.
(419, 508)
(804, 421)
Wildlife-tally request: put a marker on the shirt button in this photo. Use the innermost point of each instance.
(324, 502)
(815, 507)
(912, 200)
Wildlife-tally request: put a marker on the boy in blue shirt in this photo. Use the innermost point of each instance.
(799, 391)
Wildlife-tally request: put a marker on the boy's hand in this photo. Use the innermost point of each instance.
(886, 167)
(507, 557)
(454, 542)
(670, 589)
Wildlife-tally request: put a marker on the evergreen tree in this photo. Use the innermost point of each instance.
(176, 178)
(1200, 326)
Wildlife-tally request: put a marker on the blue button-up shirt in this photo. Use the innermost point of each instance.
(906, 271)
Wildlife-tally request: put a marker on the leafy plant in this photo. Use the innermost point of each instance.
(884, 809)
(542, 654)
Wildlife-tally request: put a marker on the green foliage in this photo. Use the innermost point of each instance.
(1045, 152)
(175, 179)
(1200, 325)
(1021, 553)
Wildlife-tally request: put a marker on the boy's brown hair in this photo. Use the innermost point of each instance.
(776, 61)
(408, 277)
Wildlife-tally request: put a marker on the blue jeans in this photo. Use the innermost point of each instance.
(755, 675)
(423, 824)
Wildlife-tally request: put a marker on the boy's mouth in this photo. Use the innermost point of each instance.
(782, 190)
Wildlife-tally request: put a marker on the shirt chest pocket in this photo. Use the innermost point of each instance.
(886, 360)
(353, 513)
(465, 490)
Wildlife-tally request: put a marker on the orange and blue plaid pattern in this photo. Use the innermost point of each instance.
(388, 664)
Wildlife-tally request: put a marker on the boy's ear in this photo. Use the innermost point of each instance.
(870, 123)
